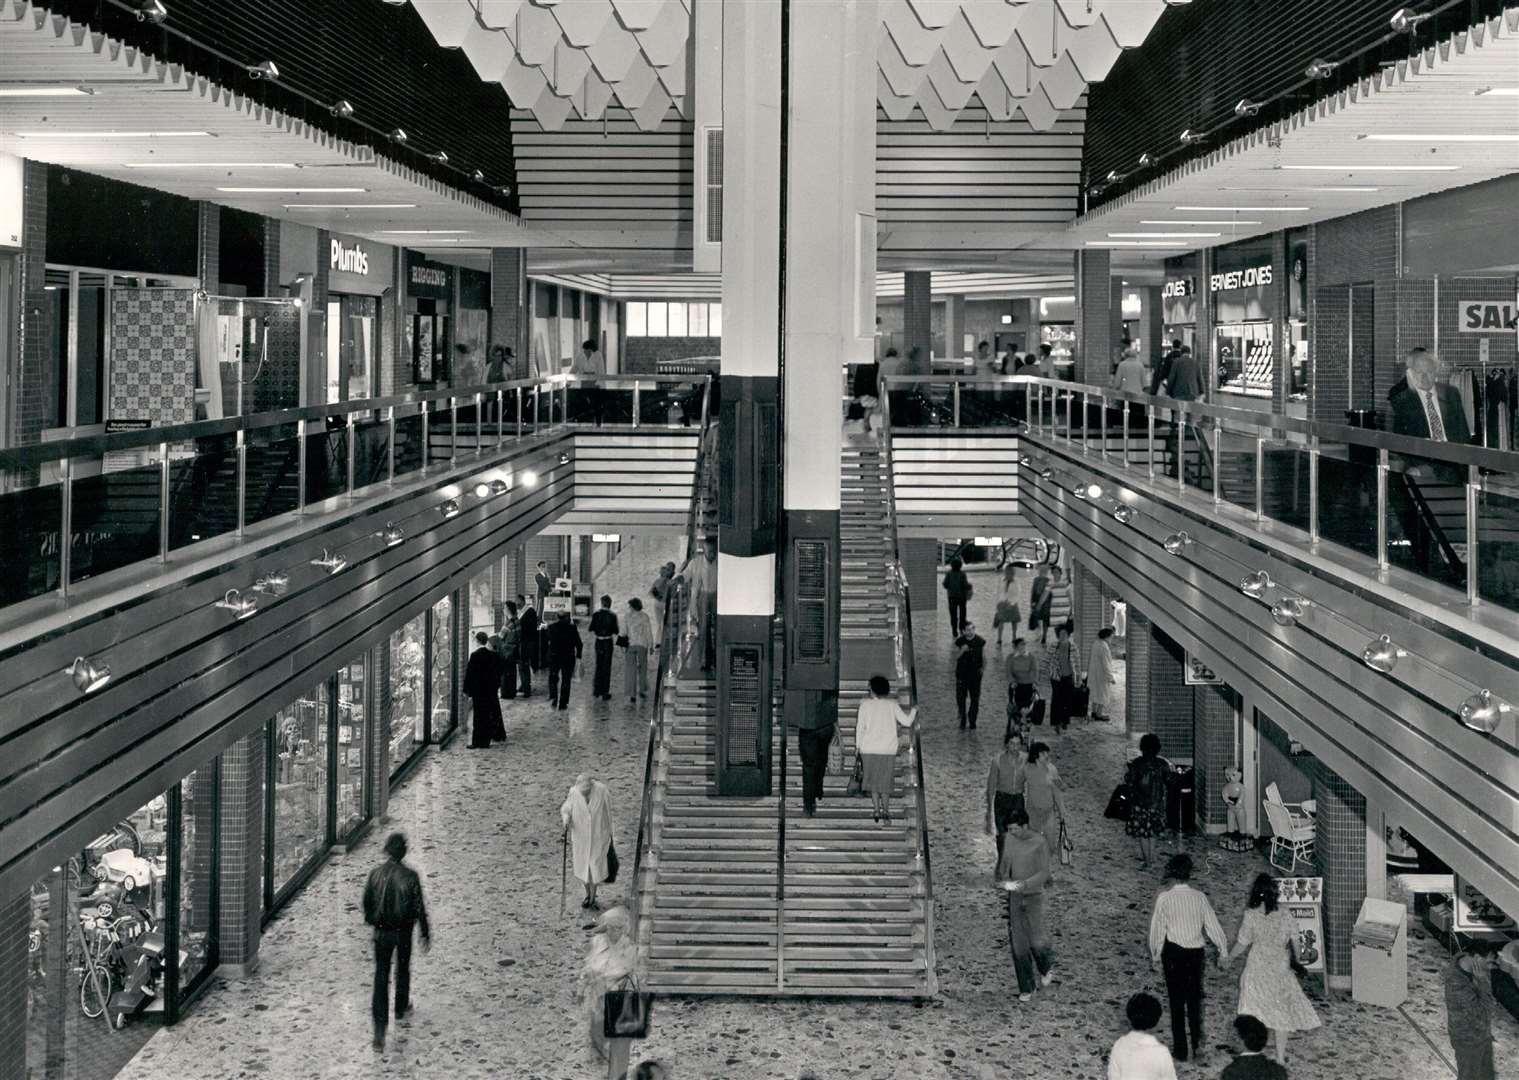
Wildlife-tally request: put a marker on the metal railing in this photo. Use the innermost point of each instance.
(1445, 511)
(129, 497)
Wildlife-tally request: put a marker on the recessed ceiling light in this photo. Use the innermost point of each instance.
(423, 232)
(1370, 168)
(1463, 136)
(209, 165)
(351, 206)
(114, 135)
(1233, 221)
(1161, 235)
(46, 91)
(1498, 91)
(1350, 187)
(291, 190)
(1245, 209)
(1135, 243)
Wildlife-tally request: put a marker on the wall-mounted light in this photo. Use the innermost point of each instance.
(564, 457)
(504, 190)
(1115, 177)
(240, 605)
(1255, 585)
(1406, 21)
(393, 534)
(1146, 160)
(1483, 712)
(529, 478)
(1192, 138)
(1382, 655)
(342, 108)
(1320, 69)
(1176, 543)
(152, 11)
(1246, 107)
(450, 508)
(1123, 514)
(1288, 610)
(441, 157)
(264, 70)
(399, 136)
(273, 582)
(330, 561)
(1088, 491)
(482, 490)
(498, 487)
(477, 176)
(88, 675)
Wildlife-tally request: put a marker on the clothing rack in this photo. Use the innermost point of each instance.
(1490, 393)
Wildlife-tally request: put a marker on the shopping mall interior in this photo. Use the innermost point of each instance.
(1093, 372)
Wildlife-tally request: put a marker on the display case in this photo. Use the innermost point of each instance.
(1379, 954)
(1061, 338)
(1245, 354)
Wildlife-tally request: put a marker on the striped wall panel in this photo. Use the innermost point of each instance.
(1395, 737)
(188, 679)
(631, 482)
(961, 481)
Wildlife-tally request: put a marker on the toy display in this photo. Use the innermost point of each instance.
(1233, 795)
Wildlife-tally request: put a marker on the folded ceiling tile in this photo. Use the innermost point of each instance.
(1132, 20)
(1063, 83)
(934, 13)
(895, 106)
(953, 91)
(1083, 12)
(499, 14)
(656, 106)
(537, 34)
(637, 14)
(583, 21)
(664, 42)
(902, 78)
(992, 20)
(1037, 30)
(1041, 115)
(969, 57)
(916, 42)
(993, 95)
(592, 99)
(636, 83)
(489, 52)
(613, 53)
(448, 23)
(570, 67)
(1094, 51)
(524, 84)
(551, 111)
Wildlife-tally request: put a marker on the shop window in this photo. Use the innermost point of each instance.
(197, 869)
(714, 320)
(677, 320)
(1245, 362)
(441, 697)
(482, 608)
(408, 721)
(298, 788)
(638, 319)
(353, 328)
(697, 320)
(659, 320)
(353, 708)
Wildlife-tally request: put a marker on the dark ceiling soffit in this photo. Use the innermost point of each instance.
(378, 57)
(1202, 60)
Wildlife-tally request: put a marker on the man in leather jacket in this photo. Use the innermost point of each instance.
(393, 904)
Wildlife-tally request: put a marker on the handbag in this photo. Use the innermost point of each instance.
(1081, 700)
(625, 1011)
(613, 864)
(1067, 849)
(836, 755)
(857, 780)
(1120, 804)
(622, 641)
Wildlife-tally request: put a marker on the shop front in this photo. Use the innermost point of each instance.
(1057, 329)
(1244, 292)
(359, 273)
(124, 934)
(428, 320)
(1178, 301)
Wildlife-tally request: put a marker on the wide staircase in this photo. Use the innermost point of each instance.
(748, 896)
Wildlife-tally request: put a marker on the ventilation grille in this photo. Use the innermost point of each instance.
(714, 185)
(741, 717)
(810, 629)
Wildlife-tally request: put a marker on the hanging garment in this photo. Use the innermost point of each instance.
(1120, 618)
(1463, 383)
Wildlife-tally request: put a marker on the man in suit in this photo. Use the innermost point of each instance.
(564, 649)
(527, 644)
(1424, 409)
(1183, 382)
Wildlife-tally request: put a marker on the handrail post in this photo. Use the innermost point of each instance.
(1179, 422)
(637, 403)
(1260, 477)
(1473, 484)
(500, 417)
(1070, 420)
(564, 400)
(426, 439)
(1125, 422)
(1150, 440)
(390, 442)
(300, 464)
(242, 481)
(1102, 424)
(519, 410)
(351, 433)
(1218, 446)
(65, 526)
(954, 393)
(163, 502)
(1383, 468)
(479, 429)
(453, 430)
(1313, 490)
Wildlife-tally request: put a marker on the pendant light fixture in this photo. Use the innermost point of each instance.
(88, 675)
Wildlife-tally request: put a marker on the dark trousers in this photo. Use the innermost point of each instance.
(1474, 1060)
(541, 654)
(509, 679)
(1003, 805)
(956, 614)
(560, 674)
(525, 669)
(1184, 986)
(812, 744)
(968, 697)
(386, 944)
(1062, 701)
(601, 680)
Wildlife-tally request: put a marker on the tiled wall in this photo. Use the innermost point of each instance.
(508, 318)
(1137, 645)
(377, 674)
(917, 311)
(1094, 316)
(1213, 751)
(1360, 248)
(33, 387)
(153, 350)
(208, 253)
(1340, 851)
(920, 561)
(1292, 773)
(15, 922)
(643, 354)
(242, 847)
(1171, 711)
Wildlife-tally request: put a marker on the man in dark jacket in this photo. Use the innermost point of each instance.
(482, 685)
(1423, 409)
(527, 645)
(510, 648)
(1469, 1014)
(957, 589)
(564, 648)
(970, 663)
(603, 631)
(393, 904)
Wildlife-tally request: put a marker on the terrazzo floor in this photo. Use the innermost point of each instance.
(494, 997)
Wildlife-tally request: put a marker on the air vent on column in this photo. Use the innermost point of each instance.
(810, 561)
(742, 713)
(714, 193)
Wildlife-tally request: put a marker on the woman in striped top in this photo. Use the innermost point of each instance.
(1059, 611)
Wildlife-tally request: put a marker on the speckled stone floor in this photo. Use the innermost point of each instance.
(494, 998)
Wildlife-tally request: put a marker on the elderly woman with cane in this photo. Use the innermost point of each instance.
(587, 817)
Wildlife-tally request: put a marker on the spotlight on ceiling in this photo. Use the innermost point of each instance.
(240, 605)
(1192, 138)
(265, 70)
(1146, 160)
(504, 190)
(1483, 712)
(529, 478)
(273, 582)
(1176, 543)
(88, 676)
(152, 11)
(1246, 107)
(1406, 21)
(1320, 69)
(393, 534)
(1382, 655)
(1255, 585)
(477, 176)
(342, 109)
(498, 487)
(1123, 514)
(1288, 610)
(482, 490)
(564, 457)
(399, 136)
(1116, 177)
(441, 157)
(450, 508)
(1093, 491)
(330, 561)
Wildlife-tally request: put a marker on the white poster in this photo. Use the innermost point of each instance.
(1199, 673)
(1302, 898)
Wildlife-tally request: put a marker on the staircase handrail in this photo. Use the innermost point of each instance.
(1432, 523)
(675, 605)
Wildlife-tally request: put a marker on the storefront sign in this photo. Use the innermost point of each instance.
(1249, 278)
(1200, 674)
(1475, 912)
(1302, 898)
(1489, 316)
(427, 279)
(358, 267)
(1186, 286)
(349, 258)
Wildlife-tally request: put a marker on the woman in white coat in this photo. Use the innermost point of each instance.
(1100, 677)
(587, 816)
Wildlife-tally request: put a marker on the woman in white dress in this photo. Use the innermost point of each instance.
(612, 961)
(587, 816)
(1269, 990)
(1100, 677)
(875, 740)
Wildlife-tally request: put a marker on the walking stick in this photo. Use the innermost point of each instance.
(564, 868)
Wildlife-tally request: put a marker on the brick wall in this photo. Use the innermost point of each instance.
(208, 253)
(15, 922)
(508, 318)
(917, 311)
(1137, 645)
(272, 257)
(1360, 248)
(1329, 352)
(242, 851)
(1171, 711)
(33, 386)
(1213, 751)
(377, 672)
(1094, 316)
(643, 354)
(920, 561)
(1088, 607)
(1340, 851)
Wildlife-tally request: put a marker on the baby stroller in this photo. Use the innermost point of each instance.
(1020, 720)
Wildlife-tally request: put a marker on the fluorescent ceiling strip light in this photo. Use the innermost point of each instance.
(114, 135)
(1349, 187)
(45, 91)
(1136, 243)
(1370, 168)
(1162, 235)
(1232, 222)
(1245, 209)
(424, 232)
(1466, 136)
(1498, 91)
(209, 165)
(351, 206)
(292, 190)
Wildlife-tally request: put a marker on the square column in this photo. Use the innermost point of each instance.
(1213, 742)
(1159, 700)
(918, 313)
(1340, 851)
(1095, 316)
(242, 854)
(15, 922)
(508, 316)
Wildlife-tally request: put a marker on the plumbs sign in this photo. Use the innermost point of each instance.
(350, 259)
(1249, 278)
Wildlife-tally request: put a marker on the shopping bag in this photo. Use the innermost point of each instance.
(1120, 804)
(1081, 700)
(1036, 712)
(1067, 849)
(625, 1011)
(613, 863)
(836, 755)
(857, 780)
